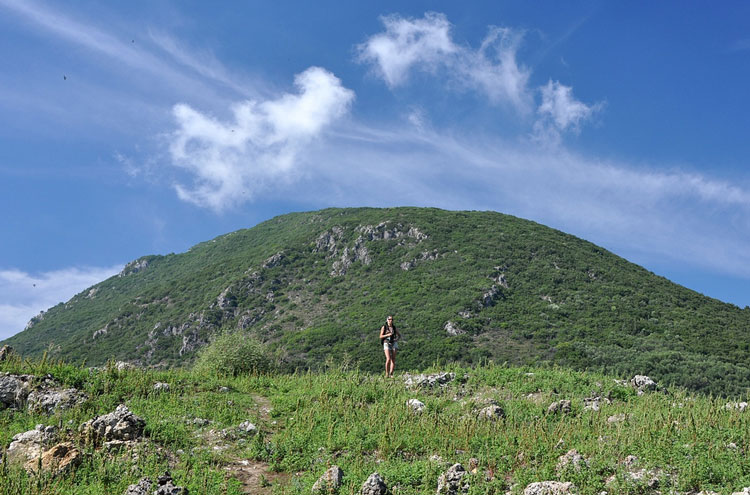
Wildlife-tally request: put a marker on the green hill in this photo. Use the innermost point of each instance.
(463, 286)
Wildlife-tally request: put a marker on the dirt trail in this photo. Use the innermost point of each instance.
(256, 476)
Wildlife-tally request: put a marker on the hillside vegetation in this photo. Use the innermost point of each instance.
(278, 433)
(463, 286)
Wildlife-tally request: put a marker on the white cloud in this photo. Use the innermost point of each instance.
(24, 295)
(560, 112)
(426, 44)
(231, 161)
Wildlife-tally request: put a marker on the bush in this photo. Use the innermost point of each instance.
(234, 353)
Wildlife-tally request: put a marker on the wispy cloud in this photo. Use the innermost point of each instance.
(230, 161)
(427, 45)
(559, 111)
(24, 295)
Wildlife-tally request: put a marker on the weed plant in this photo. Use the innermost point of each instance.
(361, 422)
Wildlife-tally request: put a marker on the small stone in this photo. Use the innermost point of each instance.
(550, 488)
(329, 482)
(451, 482)
(562, 406)
(374, 485)
(415, 405)
(492, 413)
(161, 387)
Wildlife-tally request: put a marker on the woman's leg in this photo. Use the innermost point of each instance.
(387, 361)
(393, 362)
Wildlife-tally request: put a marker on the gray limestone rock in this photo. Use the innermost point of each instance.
(29, 445)
(452, 481)
(550, 488)
(49, 400)
(121, 424)
(374, 485)
(14, 389)
(561, 406)
(329, 482)
(492, 412)
(415, 405)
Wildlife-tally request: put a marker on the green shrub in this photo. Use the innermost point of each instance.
(234, 353)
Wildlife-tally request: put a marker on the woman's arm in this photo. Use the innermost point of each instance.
(383, 334)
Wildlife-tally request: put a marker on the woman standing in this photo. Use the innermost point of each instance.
(389, 336)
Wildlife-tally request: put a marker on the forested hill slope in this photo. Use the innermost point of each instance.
(462, 286)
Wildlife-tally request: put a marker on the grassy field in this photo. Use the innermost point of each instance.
(308, 422)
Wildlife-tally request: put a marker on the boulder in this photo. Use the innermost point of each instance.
(60, 459)
(550, 488)
(121, 424)
(49, 400)
(643, 384)
(491, 412)
(561, 406)
(415, 405)
(451, 482)
(29, 445)
(374, 485)
(163, 486)
(329, 482)
(14, 389)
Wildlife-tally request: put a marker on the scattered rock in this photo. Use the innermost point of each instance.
(594, 403)
(60, 459)
(549, 488)
(374, 485)
(451, 482)
(29, 445)
(492, 412)
(423, 380)
(330, 482)
(124, 365)
(739, 406)
(415, 405)
(163, 485)
(561, 406)
(161, 387)
(618, 418)
(571, 460)
(121, 424)
(247, 428)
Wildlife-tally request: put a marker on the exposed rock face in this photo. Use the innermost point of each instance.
(425, 256)
(490, 297)
(561, 406)
(374, 485)
(492, 412)
(550, 488)
(49, 400)
(329, 482)
(452, 329)
(29, 445)
(134, 266)
(120, 425)
(5, 351)
(36, 319)
(60, 459)
(14, 389)
(451, 482)
(274, 260)
(415, 405)
(423, 380)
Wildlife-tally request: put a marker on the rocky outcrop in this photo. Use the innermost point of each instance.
(29, 445)
(14, 389)
(374, 485)
(329, 482)
(428, 380)
(424, 256)
(60, 459)
(134, 266)
(49, 400)
(119, 425)
(550, 488)
(452, 481)
(642, 384)
(453, 330)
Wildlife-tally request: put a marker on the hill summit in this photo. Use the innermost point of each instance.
(462, 286)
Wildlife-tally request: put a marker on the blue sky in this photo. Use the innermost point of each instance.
(134, 128)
